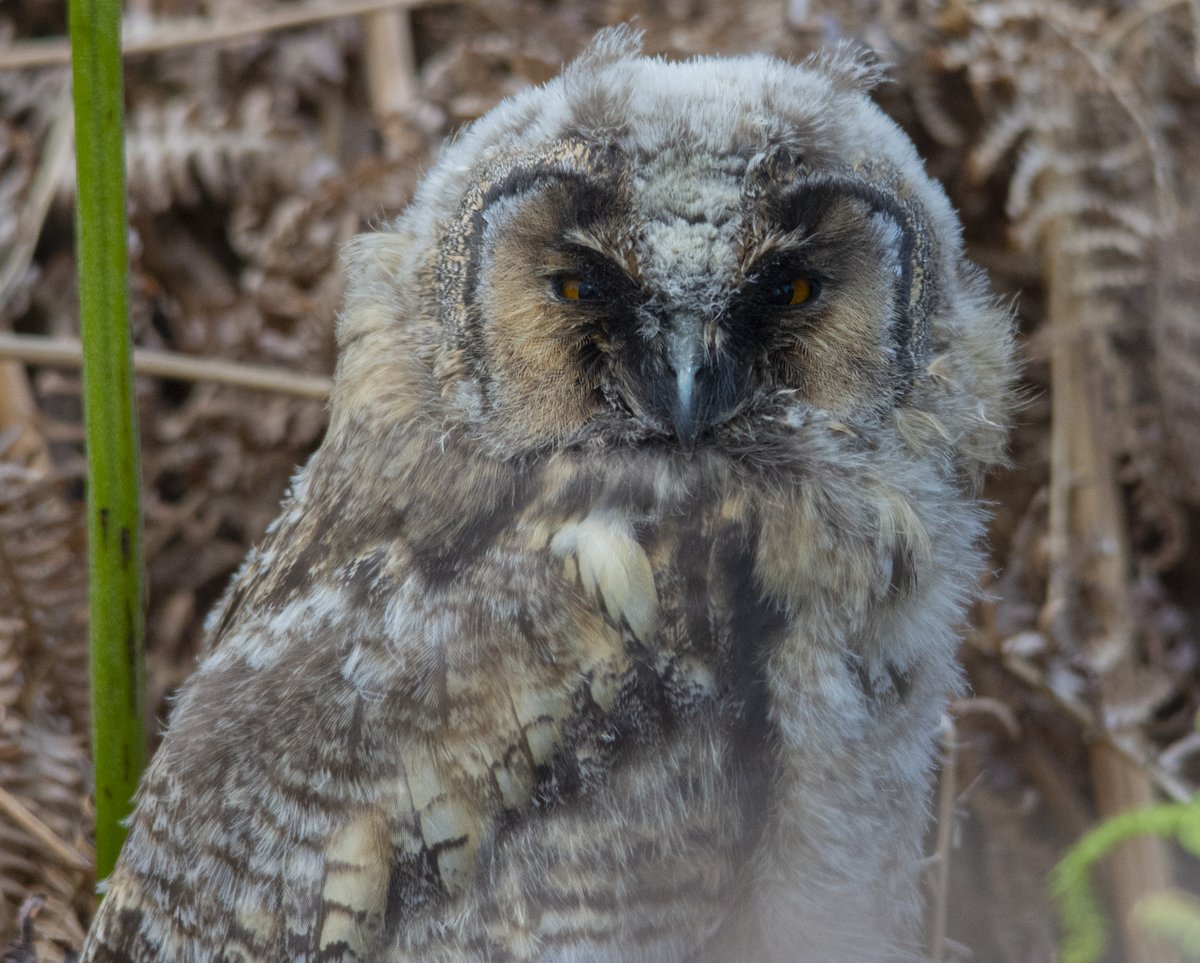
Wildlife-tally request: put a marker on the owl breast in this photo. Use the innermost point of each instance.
(575, 658)
(612, 646)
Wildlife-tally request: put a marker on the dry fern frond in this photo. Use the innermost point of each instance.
(1176, 337)
(1086, 113)
(177, 151)
(44, 809)
(42, 585)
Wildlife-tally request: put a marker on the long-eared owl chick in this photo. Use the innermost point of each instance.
(614, 618)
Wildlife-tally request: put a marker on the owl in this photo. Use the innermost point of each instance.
(614, 618)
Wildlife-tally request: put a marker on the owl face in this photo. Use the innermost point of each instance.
(658, 253)
(743, 285)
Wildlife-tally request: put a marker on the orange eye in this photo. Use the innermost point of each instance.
(802, 290)
(792, 292)
(577, 289)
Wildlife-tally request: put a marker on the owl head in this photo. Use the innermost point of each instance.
(667, 254)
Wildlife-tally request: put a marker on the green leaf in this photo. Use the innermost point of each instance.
(1085, 935)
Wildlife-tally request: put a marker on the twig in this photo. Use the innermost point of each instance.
(52, 168)
(1091, 551)
(390, 62)
(67, 353)
(391, 67)
(17, 405)
(1134, 19)
(16, 811)
(1055, 787)
(190, 32)
(987, 707)
(947, 795)
(1031, 676)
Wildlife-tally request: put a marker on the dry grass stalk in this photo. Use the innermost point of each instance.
(1090, 558)
(53, 166)
(17, 405)
(67, 352)
(20, 814)
(18, 411)
(1028, 674)
(193, 32)
(391, 63)
(943, 855)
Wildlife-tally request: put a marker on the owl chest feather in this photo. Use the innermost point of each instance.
(478, 671)
(608, 670)
(602, 617)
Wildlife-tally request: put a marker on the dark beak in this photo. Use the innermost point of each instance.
(685, 357)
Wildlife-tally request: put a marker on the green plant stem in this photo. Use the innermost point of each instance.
(1084, 929)
(114, 519)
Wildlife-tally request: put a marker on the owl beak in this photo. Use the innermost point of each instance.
(685, 355)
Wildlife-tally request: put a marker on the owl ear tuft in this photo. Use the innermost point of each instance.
(850, 66)
(610, 46)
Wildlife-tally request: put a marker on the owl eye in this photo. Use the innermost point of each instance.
(574, 288)
(797, 291)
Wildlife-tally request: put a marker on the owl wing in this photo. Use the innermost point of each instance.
(386, 702)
